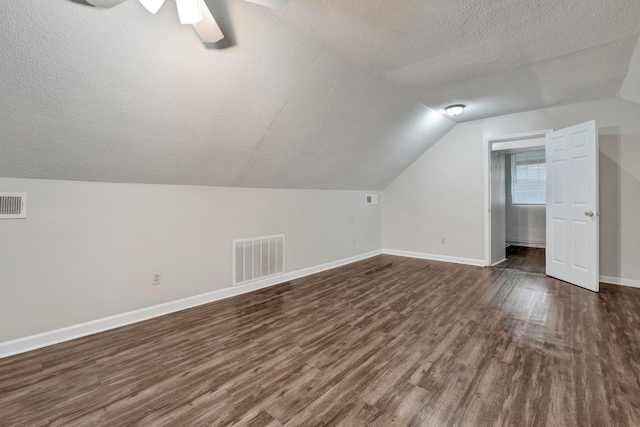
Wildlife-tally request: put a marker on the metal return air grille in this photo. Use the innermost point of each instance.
(257, 258)
(13, 205)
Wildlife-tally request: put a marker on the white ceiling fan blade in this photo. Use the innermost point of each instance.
(273, 4)
(189, 11)
(152, 5)
(104, 3)
(207, 28)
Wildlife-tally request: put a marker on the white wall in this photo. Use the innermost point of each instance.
(88, 250)
(441, 194)
(525, 224)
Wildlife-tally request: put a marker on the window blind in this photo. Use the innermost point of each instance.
(529, 178)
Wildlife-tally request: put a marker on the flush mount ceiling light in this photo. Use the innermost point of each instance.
(454, 110)
(195, 12)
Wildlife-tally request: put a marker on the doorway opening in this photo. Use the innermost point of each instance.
(571, 193)
(516, 232)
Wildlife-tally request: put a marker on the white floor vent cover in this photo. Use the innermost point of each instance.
(257, 258)
(13, 205)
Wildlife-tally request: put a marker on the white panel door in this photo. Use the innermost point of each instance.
(572, 205)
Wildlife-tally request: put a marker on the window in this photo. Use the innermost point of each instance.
(528, 178)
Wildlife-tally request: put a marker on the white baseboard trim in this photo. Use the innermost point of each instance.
(433, 257)
(33, 342)
(542, 245)
(620, 281)
(496, 263)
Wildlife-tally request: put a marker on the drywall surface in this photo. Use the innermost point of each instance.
(441, 194)
(121, 95)
(496, 56)
(630, 89)
(525, 224)
(321, 94)
(88, 250)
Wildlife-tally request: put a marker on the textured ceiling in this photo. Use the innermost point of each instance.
(321, 94)
(630, 89)
(496, 56)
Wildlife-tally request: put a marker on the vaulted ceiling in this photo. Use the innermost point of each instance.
(321, 94)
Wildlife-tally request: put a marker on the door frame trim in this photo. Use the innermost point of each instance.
(488, 141)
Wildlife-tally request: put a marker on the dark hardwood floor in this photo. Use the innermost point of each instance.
(388, 341)
(524, 259)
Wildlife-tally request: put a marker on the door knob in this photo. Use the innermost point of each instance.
(588, 213)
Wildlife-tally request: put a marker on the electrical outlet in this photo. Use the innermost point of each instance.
(155, 280)
(442, 241)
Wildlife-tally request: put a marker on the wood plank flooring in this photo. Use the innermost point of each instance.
(524, 259)
(388, 341)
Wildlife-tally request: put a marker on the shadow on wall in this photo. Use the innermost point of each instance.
(610, 201)
(220, 13)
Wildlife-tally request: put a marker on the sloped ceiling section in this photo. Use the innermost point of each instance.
(631, 87)
(120, 95)
(496, 56)
(321, 94)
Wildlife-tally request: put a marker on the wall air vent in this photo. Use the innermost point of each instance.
(13, 205)
(257, 258)
(372, 199)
